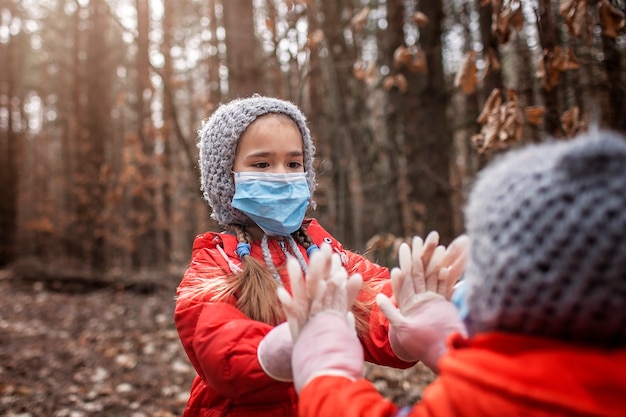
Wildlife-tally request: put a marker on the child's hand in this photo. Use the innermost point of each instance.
(327, 343)
(442, 266)
(297, 305)
(424, 318)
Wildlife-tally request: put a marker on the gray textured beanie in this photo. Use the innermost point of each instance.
(548, 231)
(218, 140)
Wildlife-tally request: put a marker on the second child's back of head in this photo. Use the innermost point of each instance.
(548, 231)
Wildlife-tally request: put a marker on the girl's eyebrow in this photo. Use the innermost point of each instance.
(267, 153)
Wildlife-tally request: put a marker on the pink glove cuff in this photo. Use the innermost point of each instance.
(327, 346)
(274, 353)
(422, 334)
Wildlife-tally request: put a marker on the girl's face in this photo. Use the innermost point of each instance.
(272, 143)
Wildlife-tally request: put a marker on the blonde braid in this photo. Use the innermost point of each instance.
(255, 287)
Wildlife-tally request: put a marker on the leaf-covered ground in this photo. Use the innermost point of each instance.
(102, 350)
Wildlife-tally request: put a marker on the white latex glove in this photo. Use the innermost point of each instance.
(274, 353)
(327, 344)
(442, 266)
(424, 318)
(297, 305)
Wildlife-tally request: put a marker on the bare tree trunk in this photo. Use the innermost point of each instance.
(91, 150)
(395, 207)
(429, 141)
(548, 38)
(9, 150)
(215, 92)
(244, 59)
(617, 91)
(144, 250)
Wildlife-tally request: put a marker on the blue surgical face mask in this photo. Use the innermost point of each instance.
(275, 202)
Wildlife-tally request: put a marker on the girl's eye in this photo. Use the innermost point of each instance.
(294, 164)
(261, 165)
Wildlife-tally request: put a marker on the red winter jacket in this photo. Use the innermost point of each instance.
(493, 375)
(221, 342)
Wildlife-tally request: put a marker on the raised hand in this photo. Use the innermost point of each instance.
(423, 317)
(326, 342)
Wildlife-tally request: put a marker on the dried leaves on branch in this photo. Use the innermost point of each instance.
(580, 22)
(573, 122)
(507, 17)
(502, 123)
(553, 63)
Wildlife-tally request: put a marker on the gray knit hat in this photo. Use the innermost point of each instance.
(218, 140)
(548, 231)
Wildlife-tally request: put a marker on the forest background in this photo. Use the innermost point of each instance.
(101, 101)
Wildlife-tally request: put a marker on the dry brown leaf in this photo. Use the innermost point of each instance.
(534, 114)
(501, 123)
(315, 38)
(466, 76)
(572, 122)
(401, 83)
(389, 82)
(511, 119)
(364, 71)
(611, 19)
(552, 64)
(401, 56)
(577, 18)
(359, 20)
(506, 19)
(493, 102)
(420, 19)
(418, 61)
(516, 19)
(398, 81)
(411, 58)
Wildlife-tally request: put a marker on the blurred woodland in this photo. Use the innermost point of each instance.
(101, 100)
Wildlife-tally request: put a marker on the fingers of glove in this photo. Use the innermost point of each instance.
(458, 265)
(404, 258)
(430, 244)
(319, 268)
(353, 286)
(402, 286)
(417, 247)
(336, 264)
(455, 250)
(336, 292)
(433, 268)
(389, 310)
(443, 282)
(317, 304)
(298, 288)
(351, 321)
(294, 318)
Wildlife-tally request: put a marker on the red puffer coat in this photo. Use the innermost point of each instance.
(493, 375)
(221, 342)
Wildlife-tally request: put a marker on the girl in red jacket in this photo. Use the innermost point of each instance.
(545, 296)
(256, 165)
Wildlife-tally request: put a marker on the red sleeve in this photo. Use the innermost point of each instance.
(220, 341)
(337, 396)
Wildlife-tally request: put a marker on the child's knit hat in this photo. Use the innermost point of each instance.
(548, 231)
(218, 143)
